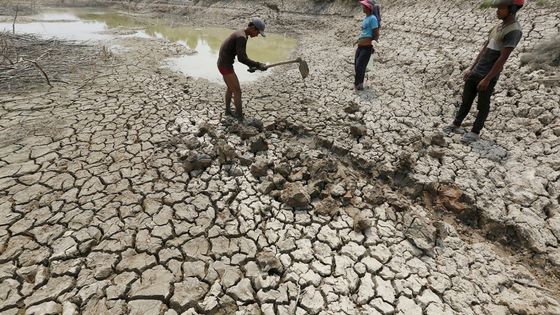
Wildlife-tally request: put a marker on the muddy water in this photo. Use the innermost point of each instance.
(59, 24)
(206, 42)
(99, 25)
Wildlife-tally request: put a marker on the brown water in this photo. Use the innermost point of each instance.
(97, 24)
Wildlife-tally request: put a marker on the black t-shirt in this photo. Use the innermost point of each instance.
(500, 37)
(235, 44)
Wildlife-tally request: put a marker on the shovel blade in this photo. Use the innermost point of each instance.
(303, 69)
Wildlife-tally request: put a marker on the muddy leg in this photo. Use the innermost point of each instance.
(237, 103)
(233, 85)
(228, 95)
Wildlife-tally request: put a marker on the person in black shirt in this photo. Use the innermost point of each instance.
(481, 77)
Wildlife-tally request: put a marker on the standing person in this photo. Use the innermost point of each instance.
(481, 77)
(235, 45)
(369, 33)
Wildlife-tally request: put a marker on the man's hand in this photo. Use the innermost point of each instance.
(262, 67)
(483, 85)
(467, 74)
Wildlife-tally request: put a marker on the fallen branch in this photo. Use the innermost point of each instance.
(551, 79)
(4, 50)
(60, 81)
(9, 60)
(41, 69)
(293, 306)
(23, 56)
(536, 286)
(44, 54)
(26, 38)
(7, 68)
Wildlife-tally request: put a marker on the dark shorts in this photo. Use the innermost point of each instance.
(226, 70)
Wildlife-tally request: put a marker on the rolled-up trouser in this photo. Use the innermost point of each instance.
(470, 91)
(361, 59)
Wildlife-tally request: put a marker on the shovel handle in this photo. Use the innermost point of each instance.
(284, 63)
(253, 69)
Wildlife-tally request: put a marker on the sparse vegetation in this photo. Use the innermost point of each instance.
(486, 4)
(106, 54)
(544, 55)
(547, 3)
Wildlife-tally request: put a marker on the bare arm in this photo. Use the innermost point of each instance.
(241, 50)
(376, 34)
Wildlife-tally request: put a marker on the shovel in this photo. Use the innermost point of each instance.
(303, 68)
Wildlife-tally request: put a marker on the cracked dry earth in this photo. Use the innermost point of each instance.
(131, 194)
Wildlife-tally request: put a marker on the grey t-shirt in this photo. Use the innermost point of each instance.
(235, 44)
(500, 37)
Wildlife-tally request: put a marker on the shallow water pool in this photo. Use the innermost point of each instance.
(96, 25)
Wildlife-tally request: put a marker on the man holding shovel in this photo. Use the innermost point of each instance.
(235, 45)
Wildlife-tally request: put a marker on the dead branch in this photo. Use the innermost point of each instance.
(5, 50)
(532, 285)
(14, 23)
(27, 55)
(293, 305)
(44, 54)
(19, 37)
(41, 69)
(549, 79)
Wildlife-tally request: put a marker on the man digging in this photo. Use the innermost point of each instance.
(235, 45)
(481, 77)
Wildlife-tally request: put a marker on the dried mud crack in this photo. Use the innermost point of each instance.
(124, 190)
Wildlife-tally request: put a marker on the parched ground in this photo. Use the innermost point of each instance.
(125, 191)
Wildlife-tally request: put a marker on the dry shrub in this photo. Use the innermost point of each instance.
(544, 55)
(5, 50)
